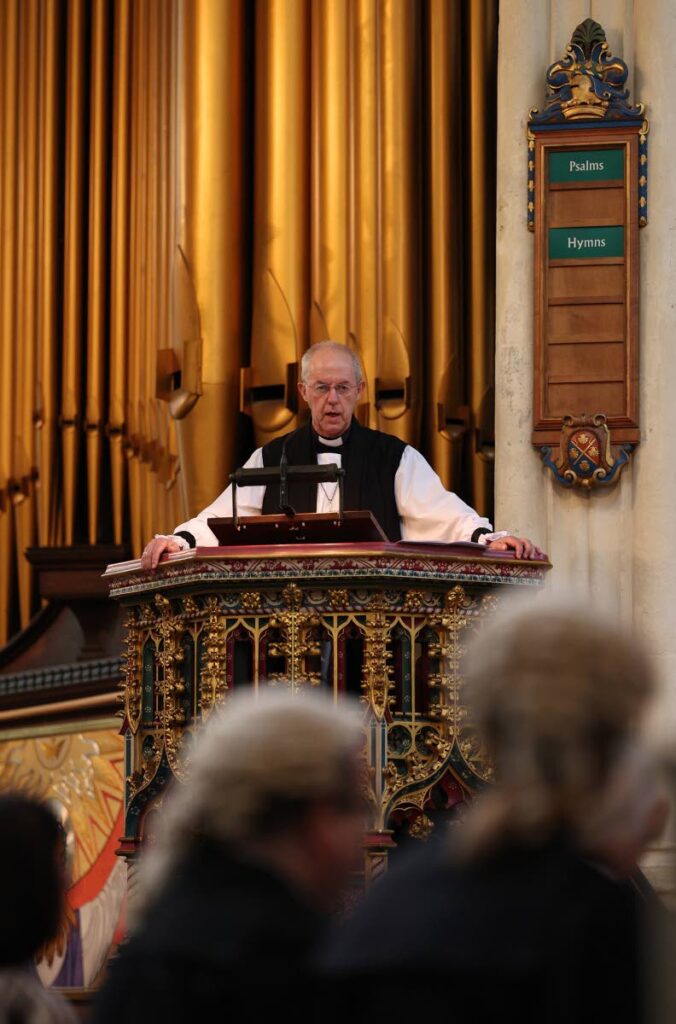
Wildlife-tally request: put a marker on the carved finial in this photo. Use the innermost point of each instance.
(587, 34)
(587, 82)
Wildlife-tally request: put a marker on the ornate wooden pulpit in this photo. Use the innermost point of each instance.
(385, 622)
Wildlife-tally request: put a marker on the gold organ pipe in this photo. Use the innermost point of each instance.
(119, 278)
(47, 257)
(96, 281)
(24, 462)
(330, 264)
(366, 252)
(9, 27)
(445, 418)
(149, 337)
(281, 294)
(400, 327)
(177, 511)
(164, 521)
(211, 236)
(135, 286)
(142, 276)
(73, 262)
(145, 275)
(4, 43)
(482, 17)
(158, 438)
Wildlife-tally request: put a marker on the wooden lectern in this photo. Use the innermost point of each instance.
(308, 528)
(385, 622)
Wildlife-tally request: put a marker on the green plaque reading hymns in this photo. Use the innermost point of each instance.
(586, 165)
(585, 243)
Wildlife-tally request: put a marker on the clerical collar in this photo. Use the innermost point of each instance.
(330, 443)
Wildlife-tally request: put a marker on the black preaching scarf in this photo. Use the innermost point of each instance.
(370, 459)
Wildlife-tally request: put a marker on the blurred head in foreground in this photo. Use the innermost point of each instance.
(31, 867)
(274, 778)
(557, 695)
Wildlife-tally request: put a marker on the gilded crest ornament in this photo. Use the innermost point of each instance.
(586, 456)
(587, 82)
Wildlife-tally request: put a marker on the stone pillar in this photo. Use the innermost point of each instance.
(611, 547)
(653, 511)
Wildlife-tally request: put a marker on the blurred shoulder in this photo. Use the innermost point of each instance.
(415, 892)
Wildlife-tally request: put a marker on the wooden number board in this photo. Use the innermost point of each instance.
(586, 280)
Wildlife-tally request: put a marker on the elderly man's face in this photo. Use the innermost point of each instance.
(331, 391)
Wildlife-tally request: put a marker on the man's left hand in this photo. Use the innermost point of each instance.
(521, 546)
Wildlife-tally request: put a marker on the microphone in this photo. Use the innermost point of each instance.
(284, 506)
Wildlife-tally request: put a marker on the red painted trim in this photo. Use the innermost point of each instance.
(91, 883)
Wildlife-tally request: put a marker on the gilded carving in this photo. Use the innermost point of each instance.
(474, 754)
(251, 601)
(151, 752)
(213, 682)
(293, 596)
(449, 650)
(191, 609)
(339, 600)
(131, 670)
(421, 827)
(169, 656)
(414, 601)
(297, 627)
(413, 741)
(377, 670)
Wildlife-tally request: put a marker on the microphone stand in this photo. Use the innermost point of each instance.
(284, 507)
(280, 475)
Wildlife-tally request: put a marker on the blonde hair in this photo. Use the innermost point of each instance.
(556, 693)
(256, 754)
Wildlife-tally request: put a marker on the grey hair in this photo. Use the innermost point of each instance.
(334, 346)
(555, 691)
(624, 811)
(257, 751)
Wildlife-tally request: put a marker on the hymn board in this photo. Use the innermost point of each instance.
(587, 192)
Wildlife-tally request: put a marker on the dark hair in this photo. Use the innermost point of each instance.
(31, 877)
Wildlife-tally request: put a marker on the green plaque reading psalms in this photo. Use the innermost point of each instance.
(586, 165)
(586, 243)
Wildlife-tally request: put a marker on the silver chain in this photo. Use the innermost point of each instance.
(329, 497)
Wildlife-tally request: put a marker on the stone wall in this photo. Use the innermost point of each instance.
(613, 546)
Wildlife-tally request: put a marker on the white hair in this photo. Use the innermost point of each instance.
(332, 346)
(258, 753)
(622, 814)
(555, 691)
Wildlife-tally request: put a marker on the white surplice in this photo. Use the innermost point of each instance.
(428, 511)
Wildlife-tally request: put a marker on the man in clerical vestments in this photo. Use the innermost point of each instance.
(382, 473)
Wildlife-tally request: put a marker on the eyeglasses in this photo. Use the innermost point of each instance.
(342, 390)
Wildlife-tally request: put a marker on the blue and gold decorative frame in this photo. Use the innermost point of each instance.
(586, 297)
(642, 197)
(586, 89)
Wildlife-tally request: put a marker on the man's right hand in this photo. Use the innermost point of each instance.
(154, 550)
